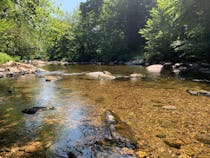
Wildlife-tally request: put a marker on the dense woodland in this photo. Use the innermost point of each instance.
(107, 30)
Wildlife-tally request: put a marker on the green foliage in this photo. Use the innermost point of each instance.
(107, 30)
(28, 27)
(5, 58)
(177, 31)
(104, 30)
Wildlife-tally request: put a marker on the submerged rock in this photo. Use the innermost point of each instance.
(71, 155)
(30, 149)
(11, 91)
(173, 142)
(169, 107)
(51, 78)
(133, 76)
(136, 76)
(205, 139)
(119, 133)
(122, 78)
(105, 75)
(199, 93)
(116, 140)
(142, 154)
(33, 110)
(161, 136)
(201, 81)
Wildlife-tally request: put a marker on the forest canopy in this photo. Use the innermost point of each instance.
(107, 30)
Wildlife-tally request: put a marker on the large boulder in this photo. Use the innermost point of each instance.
(166, 68)
(105, 75)
(154, 68)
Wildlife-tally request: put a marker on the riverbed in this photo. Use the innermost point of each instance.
(77, 121)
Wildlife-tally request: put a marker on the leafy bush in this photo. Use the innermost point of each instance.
(5, 58)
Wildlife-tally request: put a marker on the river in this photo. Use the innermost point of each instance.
(79, 103)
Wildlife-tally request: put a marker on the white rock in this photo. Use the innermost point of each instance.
(155, 68)
(100, 75)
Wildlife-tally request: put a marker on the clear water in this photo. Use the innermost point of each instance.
(77, 120)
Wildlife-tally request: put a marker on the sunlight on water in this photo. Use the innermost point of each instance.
(79, 105)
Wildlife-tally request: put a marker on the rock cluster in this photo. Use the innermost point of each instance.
(199, 93)
(182, 69)
(105, 75)
(12, 69)
(100, 75)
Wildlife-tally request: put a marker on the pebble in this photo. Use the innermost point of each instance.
(127, 151)
(30, 149)
(174, 143)
(205, 139)
(51, 78)
(161, 135)
(142, 154)
(169, 107)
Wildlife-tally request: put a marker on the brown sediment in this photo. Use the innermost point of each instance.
(167, 121)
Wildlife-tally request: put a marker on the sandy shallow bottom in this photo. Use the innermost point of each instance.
(80, 104)
(159, 131)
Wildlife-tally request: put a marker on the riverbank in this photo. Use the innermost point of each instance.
(197, 72)
(12, 69)
(176, 68)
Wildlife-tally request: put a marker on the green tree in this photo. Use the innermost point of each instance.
(26, 27)
(178, 31)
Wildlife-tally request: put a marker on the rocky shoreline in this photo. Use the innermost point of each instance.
(173, 68)
(195, 72)
(12, 69)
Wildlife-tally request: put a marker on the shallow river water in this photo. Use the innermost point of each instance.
(79, 103)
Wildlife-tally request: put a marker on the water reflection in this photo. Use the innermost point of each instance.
(44, 96)
(80, 104)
